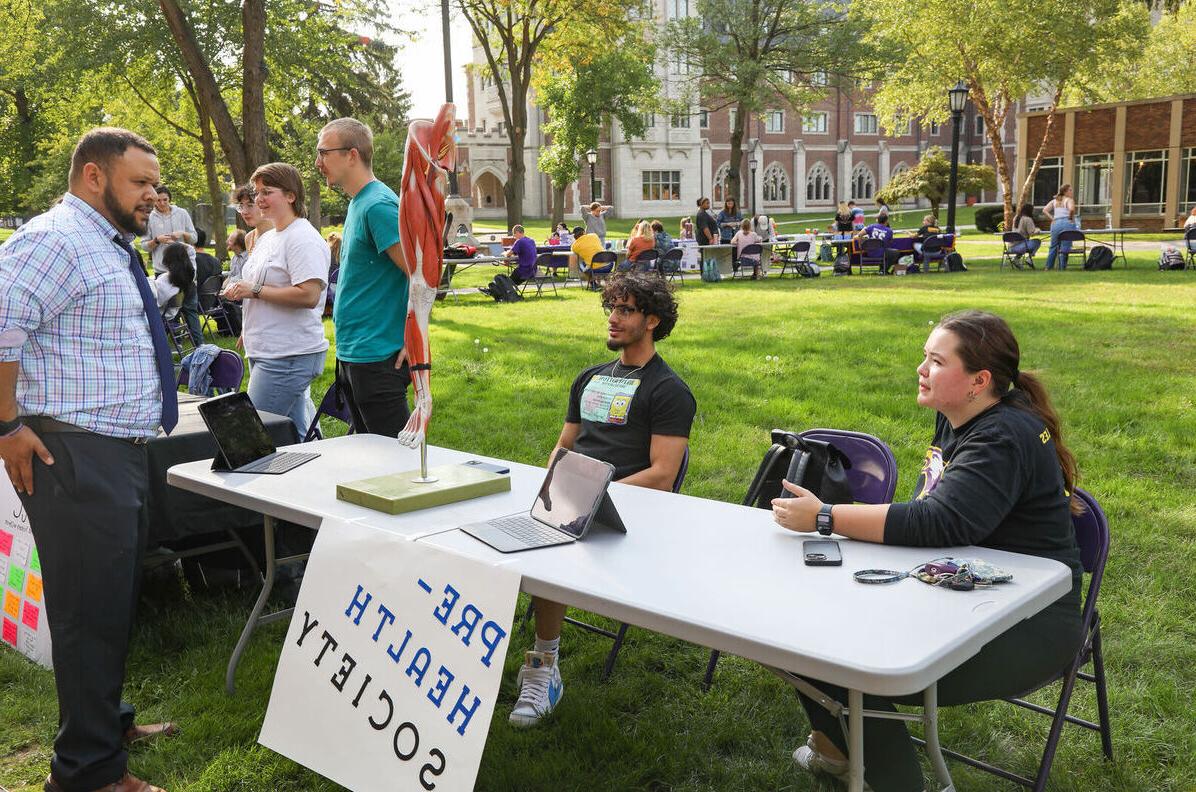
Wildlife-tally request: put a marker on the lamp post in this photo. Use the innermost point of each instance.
(448, 78)
(959, 97)
(752, 165)
(592, 158)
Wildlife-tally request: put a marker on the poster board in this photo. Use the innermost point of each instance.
(391, 665)
(23, 624)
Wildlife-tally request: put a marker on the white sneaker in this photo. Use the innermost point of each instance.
(540, 688)
(808, 758)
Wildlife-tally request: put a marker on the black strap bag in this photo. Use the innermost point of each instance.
(1099, 258)
(814, 464)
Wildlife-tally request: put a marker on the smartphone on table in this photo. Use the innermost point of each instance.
(821, 552)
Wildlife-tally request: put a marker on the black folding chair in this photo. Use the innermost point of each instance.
(1067, 242)
(176, 329)
(541, 278)
(601, 265)
(1190, 247)
(210, 309)
(669, 265)
(748, 251)
(935, 250)
(1012, 257)
(798, 253)
(1092, 534)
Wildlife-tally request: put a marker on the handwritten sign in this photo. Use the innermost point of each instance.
(25, 627)
(392, 662)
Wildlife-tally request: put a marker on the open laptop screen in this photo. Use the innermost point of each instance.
(496, 249)
(238, 429)
(571, 492)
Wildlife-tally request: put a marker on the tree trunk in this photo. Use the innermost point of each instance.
(215, 193)
(736, 155)
(558, 205)
(207, 90)
(28, 145)
(253, 83)
(516, 134)
(314, 211)
(1032, 173)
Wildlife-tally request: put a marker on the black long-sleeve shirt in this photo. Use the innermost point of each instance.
(993, 482)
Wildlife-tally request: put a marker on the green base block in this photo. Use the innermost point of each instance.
(398, 492)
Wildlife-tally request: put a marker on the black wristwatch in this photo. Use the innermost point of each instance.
(824, 522)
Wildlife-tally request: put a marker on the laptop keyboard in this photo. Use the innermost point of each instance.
(278, 462)
(526, 529)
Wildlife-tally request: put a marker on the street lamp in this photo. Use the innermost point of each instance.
(448, 79)
(959, 97)
(592, 157)
(752, 165)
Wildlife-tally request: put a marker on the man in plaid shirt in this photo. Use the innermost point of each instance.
(83, 386)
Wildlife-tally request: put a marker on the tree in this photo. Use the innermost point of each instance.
(582, 93)
(754, 54)
(1003, 50)
(513, 35)
(1165, 67)
(930, 179)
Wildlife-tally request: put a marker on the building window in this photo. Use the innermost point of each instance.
(1145, 181)
(680, 64)
(662, 185)
(774, 121)
(1046, 183)
(649, 120)
(599, 190)
(934, 127)
(1094, 183)
(978, 125)
(719, 190)
(814, 122)
(819, 78)
(862, 183)
(704, 119)
(678, 9)
(679, 121)
(903, 128)
(865, 124)
(776, 184)
(819, 184)
(733, 115)
(1188, 195)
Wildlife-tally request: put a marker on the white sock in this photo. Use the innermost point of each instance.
(549, 647)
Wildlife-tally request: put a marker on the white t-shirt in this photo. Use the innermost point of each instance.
(285, 258)
(165, 290)
(1191, 221)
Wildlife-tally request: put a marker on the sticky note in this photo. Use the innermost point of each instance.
(35, 562)
(33, 587)
(29, 615)
(10, 632)
(16, 577)
(5, 543)
(21, 551)
(12, 604)
(3, 570)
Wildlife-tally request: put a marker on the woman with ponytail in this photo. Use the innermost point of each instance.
(997, 474)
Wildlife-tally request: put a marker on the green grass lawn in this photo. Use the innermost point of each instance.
(1118, 351)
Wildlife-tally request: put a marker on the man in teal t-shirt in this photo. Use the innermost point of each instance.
(370, 311)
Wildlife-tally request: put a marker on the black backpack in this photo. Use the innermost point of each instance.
(814, 464)
(843, 264)
(503, 289)
(1099, 258)
(955, 263)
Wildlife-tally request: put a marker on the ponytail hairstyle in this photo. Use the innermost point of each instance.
(1063, 191)
(177, 261)
(986, 342)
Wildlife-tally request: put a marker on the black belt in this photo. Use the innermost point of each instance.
(44, 424)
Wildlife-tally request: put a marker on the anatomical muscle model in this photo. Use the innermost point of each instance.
(430, 154)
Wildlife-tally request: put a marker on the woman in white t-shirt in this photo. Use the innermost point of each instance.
(282, 288)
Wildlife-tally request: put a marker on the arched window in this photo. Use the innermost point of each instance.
(901, 168)
(819, 184)
(776, 184)
(720, 184)
(862, 183)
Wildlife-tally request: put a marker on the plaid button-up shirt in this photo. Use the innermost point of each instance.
(71, 314)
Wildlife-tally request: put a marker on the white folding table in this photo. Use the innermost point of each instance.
(716, 574)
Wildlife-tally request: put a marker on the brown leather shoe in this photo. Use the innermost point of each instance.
(127, 783)
(150, 731)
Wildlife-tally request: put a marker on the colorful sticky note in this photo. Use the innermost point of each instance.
(35, 562)
(33, 587)
(5, 543)
(29, 615)
(16, 577)
(20, 552)
(10, 632)
(12, 604)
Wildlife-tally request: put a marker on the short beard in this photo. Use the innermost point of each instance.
(614, 346)
(124, 220)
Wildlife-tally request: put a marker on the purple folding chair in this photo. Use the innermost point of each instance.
(333, 405)
(227, 370)
(872, 476)
(611, 656)
(1092, 535)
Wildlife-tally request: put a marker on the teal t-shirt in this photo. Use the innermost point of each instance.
(370, 310)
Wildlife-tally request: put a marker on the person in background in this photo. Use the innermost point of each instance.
(857, 216)
(928, 228)
(563, 235)
(169, 223)
(595, 220)
(334, 252)
(728, 221)
(880, 230)
(282, 299)
(641, 239)
(843, 219)
(743, 237)
(997, 474)
(246, 206)
(686, 231)
(206, 265)
(1191, 221)
(1061, 211)
(661, 239)
(583, 249)
(707, 225)
(1024, 224)
(765, 228)
(524, 251)
(177, 279)
(882, 208)
(236, 247)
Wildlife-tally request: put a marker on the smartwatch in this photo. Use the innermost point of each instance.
(257, 289)
(824, 522)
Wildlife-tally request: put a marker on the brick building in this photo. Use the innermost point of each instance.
(1133, 160)
(805, 162)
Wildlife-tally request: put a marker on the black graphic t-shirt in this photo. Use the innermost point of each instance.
(993, 482)
(620, 409)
